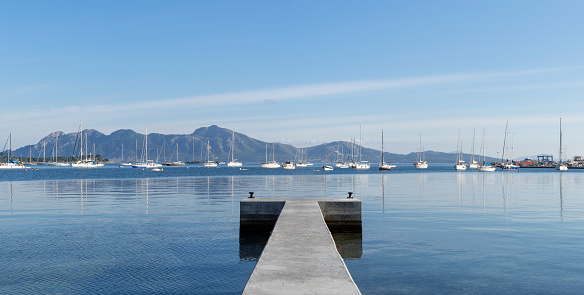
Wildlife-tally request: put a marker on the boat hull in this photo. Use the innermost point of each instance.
(460, 167)
(421, 165)
(487, 168)
(509, 167)
(270, 165)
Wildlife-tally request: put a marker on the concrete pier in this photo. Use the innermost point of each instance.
(300, 256)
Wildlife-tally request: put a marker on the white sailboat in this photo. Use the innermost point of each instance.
(146, 163)
(55, 161)
(122, 163)
(382, 165)
(209, 163)
(459, 165)
(485, 167)
(326, 166)
(272, 163)
(561, 166)
(233, 162)
(361, 165)
(177, 162)
(473, 163)
(11, 164)
(420, 162)
(84, 161)
(303, 161)
(341, 162)
(506, 164)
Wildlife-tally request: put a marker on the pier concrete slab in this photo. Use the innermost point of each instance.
(300, 256)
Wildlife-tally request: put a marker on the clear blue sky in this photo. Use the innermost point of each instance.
(299, 71)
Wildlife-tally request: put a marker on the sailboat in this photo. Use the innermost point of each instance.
(473, 163)
(459, 165)
(506, 164)
(233, 162)
(10, 164)
(301, 158)
(84, 161)
(146, 164)
(561, 166)
(485, 167)
(341, 158)
(177, 162)
(361, 165)
(122, 164)
(272, 163)
(326, 166)
(209, 163)
(420, 162)
(382, 165)
(55, 161)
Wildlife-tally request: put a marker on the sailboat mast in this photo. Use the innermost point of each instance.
(232, 145)
(560, 140)
(360, 143)
(56, 150)
(483, 146)
(146, 145)
(81, 141)
(473, 144)
(382, 160)
(504, 141)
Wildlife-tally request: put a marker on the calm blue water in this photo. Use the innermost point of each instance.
(122, 230)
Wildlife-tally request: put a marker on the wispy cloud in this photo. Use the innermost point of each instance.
(189, 111)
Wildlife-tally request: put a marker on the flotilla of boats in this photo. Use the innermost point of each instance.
(88, 160)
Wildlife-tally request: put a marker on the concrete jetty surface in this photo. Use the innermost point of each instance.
(300, 256)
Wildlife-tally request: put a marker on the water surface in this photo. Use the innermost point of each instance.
(120, 230)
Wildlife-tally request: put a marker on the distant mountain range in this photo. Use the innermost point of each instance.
(192, 147)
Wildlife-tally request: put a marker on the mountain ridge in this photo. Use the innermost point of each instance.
(192, 147)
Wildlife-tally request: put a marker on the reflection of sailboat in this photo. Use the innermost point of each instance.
(561, 197)
(459, 165)
(272, 163)
(382, 165)
(485, 167)
(233, 162)
(420, 162)
(561, 166)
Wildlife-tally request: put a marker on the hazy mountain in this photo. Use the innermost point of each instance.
(192, 147)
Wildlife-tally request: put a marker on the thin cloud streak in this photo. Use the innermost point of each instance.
(278, 94)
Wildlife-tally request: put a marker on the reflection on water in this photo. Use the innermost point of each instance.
(423, 232)
(349, 245)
